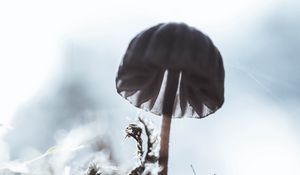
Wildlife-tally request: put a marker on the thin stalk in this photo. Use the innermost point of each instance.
(167, 110)
(164, 144)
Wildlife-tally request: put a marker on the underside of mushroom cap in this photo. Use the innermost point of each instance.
(167, 48)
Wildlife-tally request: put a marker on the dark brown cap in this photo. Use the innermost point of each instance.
(172, 69)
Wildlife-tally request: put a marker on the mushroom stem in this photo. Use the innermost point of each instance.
(164, 144)
(169, 99)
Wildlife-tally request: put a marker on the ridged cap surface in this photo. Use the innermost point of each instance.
(172, 51)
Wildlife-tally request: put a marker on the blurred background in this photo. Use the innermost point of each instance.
(58, 62)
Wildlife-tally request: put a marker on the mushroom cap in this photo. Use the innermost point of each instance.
(178, 51)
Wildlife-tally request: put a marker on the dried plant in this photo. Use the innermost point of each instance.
(149, 160)
(94, 169)
(135, 131)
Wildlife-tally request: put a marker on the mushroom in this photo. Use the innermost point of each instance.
(173, 70)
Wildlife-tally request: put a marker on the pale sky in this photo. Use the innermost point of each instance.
(33, 34)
